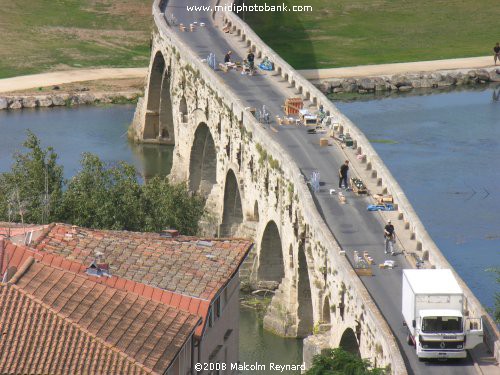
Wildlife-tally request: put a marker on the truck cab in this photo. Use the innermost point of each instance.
(441, 334)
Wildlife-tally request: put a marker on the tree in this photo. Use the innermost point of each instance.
(105, 197)
(170, 205)
(111, 197)
(340, 362)
(32, 190)
(100, 195)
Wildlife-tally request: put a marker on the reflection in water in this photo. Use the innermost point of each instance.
(496, 94)
(258, 345)
(153, 159)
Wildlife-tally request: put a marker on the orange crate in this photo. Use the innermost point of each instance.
(293, 106)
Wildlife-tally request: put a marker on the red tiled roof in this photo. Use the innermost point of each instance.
(145, 332)
(181, 265)
(35, 339)
(16, 255)
(16, 229)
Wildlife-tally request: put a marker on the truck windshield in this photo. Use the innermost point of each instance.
(438, 324)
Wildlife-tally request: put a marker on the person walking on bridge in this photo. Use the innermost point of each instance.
(390, 238)
(250, 59)
(344, 168)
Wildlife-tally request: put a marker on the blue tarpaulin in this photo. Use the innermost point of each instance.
(380, 207)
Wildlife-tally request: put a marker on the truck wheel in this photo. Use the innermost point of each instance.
(409, 340)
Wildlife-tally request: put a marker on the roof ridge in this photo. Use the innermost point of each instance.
(76, 325)
(137, 234)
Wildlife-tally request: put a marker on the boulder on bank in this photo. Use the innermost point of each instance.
(29, 102)
(405, 88)
(58, 100)
(495, 76)
(400, 80)
(325, 87)
(4, 103)
(16, 103)
(483, 75)
(366, 84)
(44, 101)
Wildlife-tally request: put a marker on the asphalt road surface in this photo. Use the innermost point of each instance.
(354, 227)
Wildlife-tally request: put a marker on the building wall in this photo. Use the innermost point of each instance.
(221, 338)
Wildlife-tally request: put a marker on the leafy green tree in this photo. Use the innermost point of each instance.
(32, 191)
(170, 205)
(340, 362)
(101, 196)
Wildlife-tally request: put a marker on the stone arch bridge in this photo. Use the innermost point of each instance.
(253, 188)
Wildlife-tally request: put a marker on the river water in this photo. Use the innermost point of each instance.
(443, 149)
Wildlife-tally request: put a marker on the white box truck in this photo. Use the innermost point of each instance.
(433, 311)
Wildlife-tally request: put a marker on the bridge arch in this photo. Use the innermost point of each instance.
(232, 215)
(152, 120)
(202, 161)
(271, 265)
(349, 343)
(304, 296)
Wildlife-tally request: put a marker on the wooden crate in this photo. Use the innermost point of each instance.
(293, 106)
(364, 271)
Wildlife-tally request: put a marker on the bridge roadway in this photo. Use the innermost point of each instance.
(354, 227)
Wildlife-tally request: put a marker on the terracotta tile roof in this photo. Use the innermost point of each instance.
(144, 334)
(15, 255)
(37, 340)
(184, 265)
(16, 229)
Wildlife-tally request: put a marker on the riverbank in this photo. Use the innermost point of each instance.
(409, 81)
(61, 93)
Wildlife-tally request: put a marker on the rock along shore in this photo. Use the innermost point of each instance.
(409, 81)
(13, 101)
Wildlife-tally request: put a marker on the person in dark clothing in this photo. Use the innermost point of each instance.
(390, 237)
(343, 174)
(250, 59)
(227, 58)
(496, 49)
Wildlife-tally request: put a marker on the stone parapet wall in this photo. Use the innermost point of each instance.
(424, 243)
(382, 344)
(408, 82)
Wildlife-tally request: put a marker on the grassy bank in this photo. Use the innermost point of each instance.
(44, 35)
(359, 32)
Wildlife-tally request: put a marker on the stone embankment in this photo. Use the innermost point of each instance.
(410, 81)
(12, 101)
